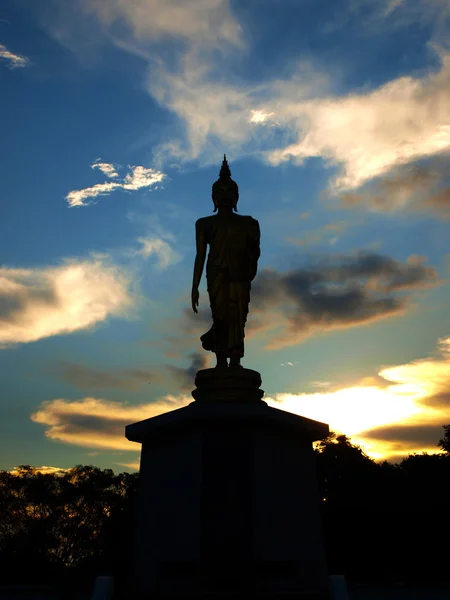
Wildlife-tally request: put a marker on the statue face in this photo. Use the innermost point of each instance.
(225, 197)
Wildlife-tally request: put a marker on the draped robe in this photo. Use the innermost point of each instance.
(234, 249)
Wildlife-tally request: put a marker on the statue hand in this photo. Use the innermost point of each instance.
(194, 298)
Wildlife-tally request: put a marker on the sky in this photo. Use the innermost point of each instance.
(114, 118)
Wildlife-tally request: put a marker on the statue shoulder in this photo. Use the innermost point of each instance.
(203, 222)
(252, 223)
(252, 227)
(247, 219)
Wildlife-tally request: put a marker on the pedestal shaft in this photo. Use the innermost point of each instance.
(229, 502)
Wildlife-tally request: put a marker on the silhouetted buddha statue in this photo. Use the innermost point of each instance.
(234, 251)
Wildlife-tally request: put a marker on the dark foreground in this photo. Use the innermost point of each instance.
(399, 593)
(355, 593)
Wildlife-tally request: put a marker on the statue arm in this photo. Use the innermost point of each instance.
(255, 252)
(199, 263)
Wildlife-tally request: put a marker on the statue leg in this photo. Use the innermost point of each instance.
(218, 334)
(239, 300)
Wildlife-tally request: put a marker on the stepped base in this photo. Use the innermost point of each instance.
(228, 385)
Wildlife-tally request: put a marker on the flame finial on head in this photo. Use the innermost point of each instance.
(225, 172)
(226, 182)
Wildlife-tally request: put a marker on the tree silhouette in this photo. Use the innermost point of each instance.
(444, 443)
(346, 477)
(342, 467)
(60, 523)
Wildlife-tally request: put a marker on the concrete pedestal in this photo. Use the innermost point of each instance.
(229, 503)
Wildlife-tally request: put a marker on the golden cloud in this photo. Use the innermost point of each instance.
(400, 410)
(132, 466)
(44, 470)
(401, 413)
(97, 423)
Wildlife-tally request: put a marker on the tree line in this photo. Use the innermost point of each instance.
(381, 520)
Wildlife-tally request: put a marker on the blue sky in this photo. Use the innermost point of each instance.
(335, 117)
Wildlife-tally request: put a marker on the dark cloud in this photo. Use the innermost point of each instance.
(440, 400)
(339, 291)
(185, 331)
(196, 322)
(328, 293)
(389, 273)
(14, 301)
(184, 377)
(94, 424)
(179, 378)
(85, 377)
(420, 186)
(406, 435)
(440, 201)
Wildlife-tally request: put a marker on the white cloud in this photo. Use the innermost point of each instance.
(404, 13)
(107, 168)
(98, 423)
(14, 61)
(137, 178)
(192, 83)
(207, 109)
(204, 22)
(391, 16)
(220, 115)
(369, 134)
(160, 248)
(78, 197)
(141, 177)
(38, 303)
(366, 134)
(259, 116)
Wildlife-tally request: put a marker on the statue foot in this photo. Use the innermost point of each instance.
(235, 363)
(222, 363)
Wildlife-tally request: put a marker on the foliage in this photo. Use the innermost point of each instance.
(444, 443)
(377, 516)
(56, 523)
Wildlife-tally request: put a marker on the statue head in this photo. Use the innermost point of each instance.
(225, 191)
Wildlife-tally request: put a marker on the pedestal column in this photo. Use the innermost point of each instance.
(229, 498)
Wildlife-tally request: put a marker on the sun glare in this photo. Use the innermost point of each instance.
(356, 409)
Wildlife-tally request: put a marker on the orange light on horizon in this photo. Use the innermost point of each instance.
(356, 410)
